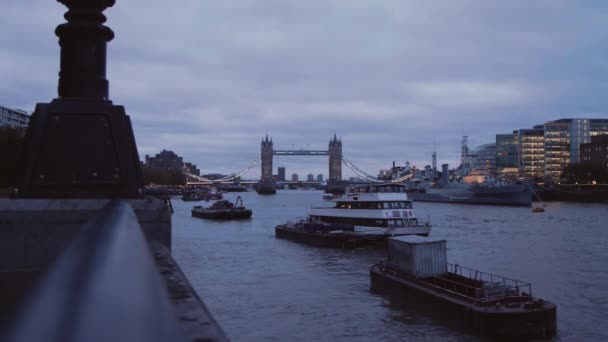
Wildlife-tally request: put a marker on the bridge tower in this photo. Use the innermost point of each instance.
(335, 159)
(266, 185)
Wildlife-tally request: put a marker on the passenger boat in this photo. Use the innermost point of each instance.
(417, 274)
(369, 213)
(223, 210)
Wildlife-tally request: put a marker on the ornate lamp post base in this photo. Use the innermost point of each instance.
(81, 145)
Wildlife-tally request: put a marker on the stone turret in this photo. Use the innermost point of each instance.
(335, 159)
(266, 185)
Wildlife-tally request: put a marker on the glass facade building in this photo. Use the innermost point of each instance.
(563, 139)
(531, 152)
(483, 158)
(506, 156)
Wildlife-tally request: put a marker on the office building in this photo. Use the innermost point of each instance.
(531, 152)
(320, 178)
(13, 118)
(507, 156)
(294, 177)
(563, 140)
(595, 152)
(281, 174)
(310, 177)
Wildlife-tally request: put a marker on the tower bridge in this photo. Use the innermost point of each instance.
(267, 183)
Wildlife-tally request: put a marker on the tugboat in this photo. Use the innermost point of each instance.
(367, 214)
(223, 210)
(417, 272)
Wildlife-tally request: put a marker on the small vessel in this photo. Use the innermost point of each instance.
(537, 209)
(367, 214)
(193, 196)
(213, 196)
(417, 273)
(223, 210)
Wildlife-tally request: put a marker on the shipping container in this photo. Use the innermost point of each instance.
(418, 256)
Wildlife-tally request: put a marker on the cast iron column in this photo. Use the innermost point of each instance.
(81, 145)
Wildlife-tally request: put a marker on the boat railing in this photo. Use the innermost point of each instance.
(493, 286)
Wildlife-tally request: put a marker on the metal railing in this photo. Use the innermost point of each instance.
(104, 287)
(482, 286)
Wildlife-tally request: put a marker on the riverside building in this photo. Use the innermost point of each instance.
(13, 118)
(563, 140)
(506, 156)
(531, 152)
(595, 152)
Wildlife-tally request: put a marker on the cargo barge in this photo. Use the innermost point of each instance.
(417, 273)
(320, 235)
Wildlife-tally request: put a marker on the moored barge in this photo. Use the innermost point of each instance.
(417, 273)
(223, 210)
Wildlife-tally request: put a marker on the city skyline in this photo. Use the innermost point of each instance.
(208, 80)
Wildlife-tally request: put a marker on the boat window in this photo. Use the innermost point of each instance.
(386, 205)
(415, 222)
(391, 223)
(399, 223)
(373, 189)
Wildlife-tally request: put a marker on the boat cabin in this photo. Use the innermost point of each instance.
(378, 188)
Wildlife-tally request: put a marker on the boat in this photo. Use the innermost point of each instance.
(223, 210)
(513, 194)
(193, 196)
(331, 197)
(213, 196)
(367, 214)
(417, 274)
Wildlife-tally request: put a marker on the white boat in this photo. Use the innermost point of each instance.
(373, 210)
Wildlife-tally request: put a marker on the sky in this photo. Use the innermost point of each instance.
(394, 80)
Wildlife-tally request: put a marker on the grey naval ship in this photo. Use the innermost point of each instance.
(515, 194)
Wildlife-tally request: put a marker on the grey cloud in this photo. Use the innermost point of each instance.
(393, 78)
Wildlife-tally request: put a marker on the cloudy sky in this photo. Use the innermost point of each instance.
(208, 79)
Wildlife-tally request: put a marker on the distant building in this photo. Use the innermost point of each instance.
(13, 118)
(191, 168)
(483, 159)
(506, 156)
(281, 175)
(563, 139)
(310, 177)
(531, 153)
(320, 178)
(294, 177)
(595, 152)
(169, 160)
(395, 171)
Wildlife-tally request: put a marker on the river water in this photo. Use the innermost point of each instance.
(263, 289)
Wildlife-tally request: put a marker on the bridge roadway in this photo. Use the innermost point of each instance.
(300, 153)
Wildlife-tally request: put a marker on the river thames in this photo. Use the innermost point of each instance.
(260, 288)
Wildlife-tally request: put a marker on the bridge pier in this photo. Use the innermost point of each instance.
(267, 185)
